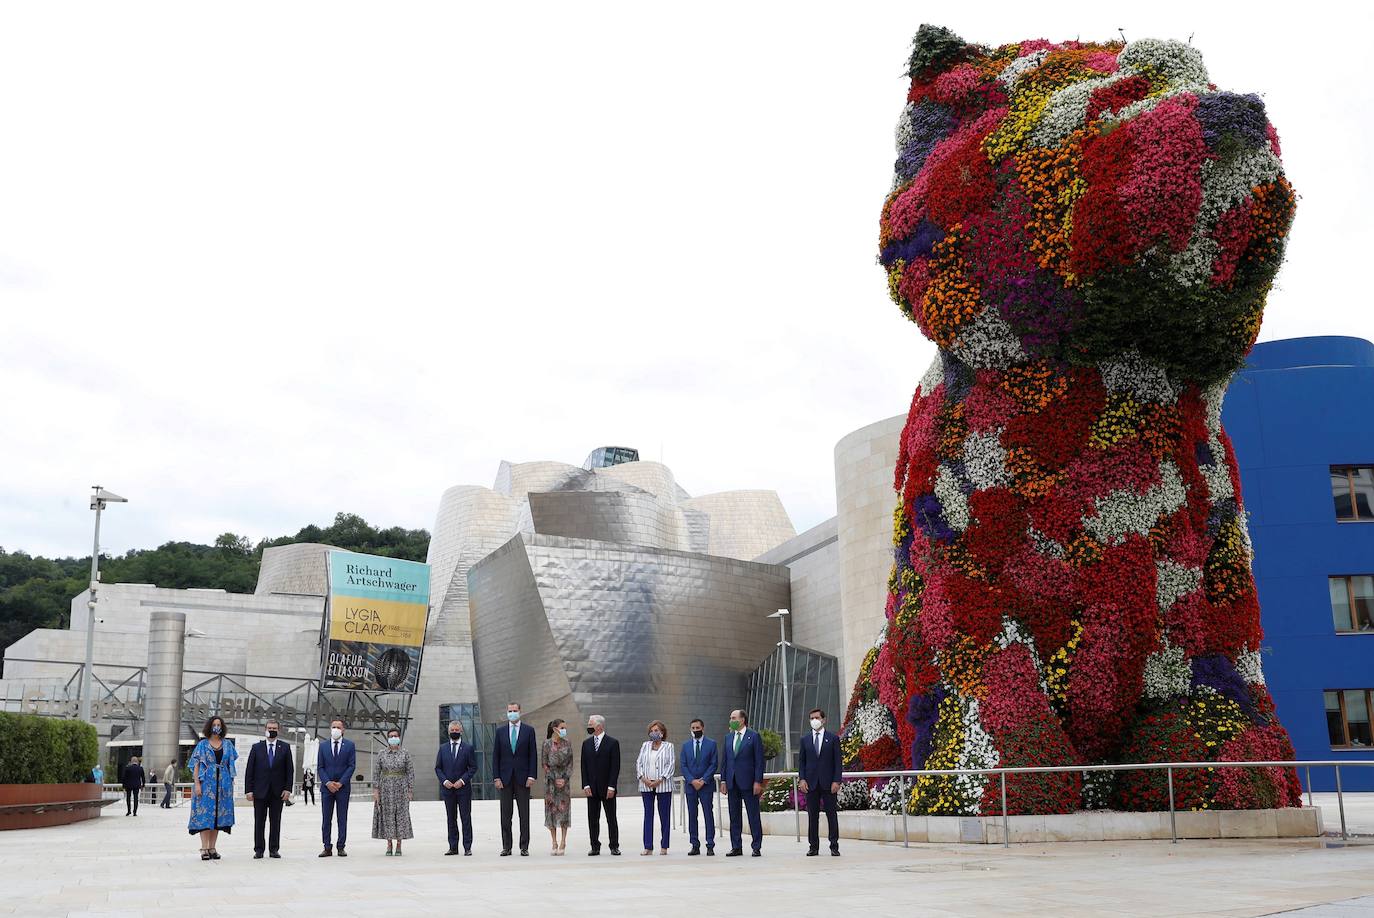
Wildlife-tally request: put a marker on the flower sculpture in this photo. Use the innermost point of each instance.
(1089, 233)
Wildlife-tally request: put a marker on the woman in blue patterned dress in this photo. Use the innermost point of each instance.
(213, 765)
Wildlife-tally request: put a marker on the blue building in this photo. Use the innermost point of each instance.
(1301, 417)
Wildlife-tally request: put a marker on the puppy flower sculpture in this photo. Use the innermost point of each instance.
(1089, 233)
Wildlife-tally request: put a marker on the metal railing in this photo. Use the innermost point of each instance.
(1169, 768)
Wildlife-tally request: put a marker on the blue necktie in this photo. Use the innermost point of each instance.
(271, 747)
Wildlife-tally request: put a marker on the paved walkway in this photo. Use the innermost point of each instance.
(148, 866)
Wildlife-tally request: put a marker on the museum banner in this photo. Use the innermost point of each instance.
(374, 623)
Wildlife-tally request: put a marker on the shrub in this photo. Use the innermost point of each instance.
(45, 750)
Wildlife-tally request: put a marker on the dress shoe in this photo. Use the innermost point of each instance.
(450, 852)
(342, 852)
(616, 852)
(696, 849)
(505, 852)
(257, 855)
(834, 852)
(274, 854)
(757, 853)
(595, 852)
(327, 852)
(812, 852)
(734, 852)
(524, 852)
(711, 851)
(467, 854)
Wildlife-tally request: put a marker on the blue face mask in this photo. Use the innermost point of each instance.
(394, 740)
(562, 732)
(217, 729)
(512, 716)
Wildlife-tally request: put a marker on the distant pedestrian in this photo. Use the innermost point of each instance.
(214, 763)
(169, 780)
(133, 780)
(308, 786)
(393, 787)
(557, 759)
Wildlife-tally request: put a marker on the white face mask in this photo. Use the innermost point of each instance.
(335, 732)
(394, 740)
(562, 732)
(817, 723)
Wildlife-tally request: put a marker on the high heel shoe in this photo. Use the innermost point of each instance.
(205, 854)
(214, 855)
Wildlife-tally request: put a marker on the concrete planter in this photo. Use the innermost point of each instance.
(33, 806)
(1096, 825)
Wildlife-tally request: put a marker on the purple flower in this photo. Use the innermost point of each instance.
(1219, 674)
(1229, 115)
(930, 124)
(930, 516)
(922, 712)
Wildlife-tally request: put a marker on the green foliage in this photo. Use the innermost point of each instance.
(933, 48)
(45, 750)
(772, 744)
(37, 592)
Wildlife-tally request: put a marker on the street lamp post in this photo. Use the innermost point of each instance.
(99, 499)
(781, 616)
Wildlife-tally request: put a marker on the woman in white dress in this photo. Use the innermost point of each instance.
(654, 768)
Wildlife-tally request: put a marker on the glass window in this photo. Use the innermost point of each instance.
(1362, 483)
(1340, 603)
(1362, 601)
(1340, 494)
(1335, 723)
(1357, 717)
(1352, 492)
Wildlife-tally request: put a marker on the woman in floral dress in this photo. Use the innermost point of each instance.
(393, 787)
(556, 757)
(213, 764)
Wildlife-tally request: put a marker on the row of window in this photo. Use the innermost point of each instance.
(1347, 718)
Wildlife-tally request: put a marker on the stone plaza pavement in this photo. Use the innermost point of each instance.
(148, 866)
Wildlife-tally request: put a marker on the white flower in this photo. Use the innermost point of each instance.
(1124, 511)
(1179, 64)
(935, 375)
(874, 721)
(952, 499)
(892, 796)
(977, 752)
(988, 343)
(1173, 581)
(853, 795)
(1017, 68)
(1045, 545)
(1250, 668)
(1168, 674)
(1131, 374)
(985, 459)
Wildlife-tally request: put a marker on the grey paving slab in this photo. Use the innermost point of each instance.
(148, 866)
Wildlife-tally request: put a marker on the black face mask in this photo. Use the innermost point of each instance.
(697, 733)
(454, 736)
(591, 730)
(271, 734)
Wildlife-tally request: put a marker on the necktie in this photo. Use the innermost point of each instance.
(596, 744)
(739, 738)
(818, 741)
(514, 735)
(271, 748)
(455, 749)
(696, 756)
(336, 749)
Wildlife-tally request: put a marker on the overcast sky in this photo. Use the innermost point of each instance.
(260, 263)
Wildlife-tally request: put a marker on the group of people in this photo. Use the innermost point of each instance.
(516, 759)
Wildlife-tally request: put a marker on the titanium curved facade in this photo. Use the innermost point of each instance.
(297, 568)
(572, 627)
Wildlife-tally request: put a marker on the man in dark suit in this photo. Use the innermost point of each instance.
(514, 765)
(820, 772)
(699, 774)
(133, 780)
(600, 774)
(455, 766)
(268, 781)
(337, 761)
(741, 777)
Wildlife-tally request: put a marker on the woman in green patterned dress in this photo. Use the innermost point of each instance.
(393, 787)
(556, 757)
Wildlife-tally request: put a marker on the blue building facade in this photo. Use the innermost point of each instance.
(1301, 418)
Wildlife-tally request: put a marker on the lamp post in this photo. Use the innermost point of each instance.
(99, 499)
(781, 616)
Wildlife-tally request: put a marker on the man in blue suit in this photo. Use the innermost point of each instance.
(741, 777)
(455, 766)
(699, 775)
(337, 761)
(514, 766)
(820, 772)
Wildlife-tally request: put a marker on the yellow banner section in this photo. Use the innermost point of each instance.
(377, 621)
